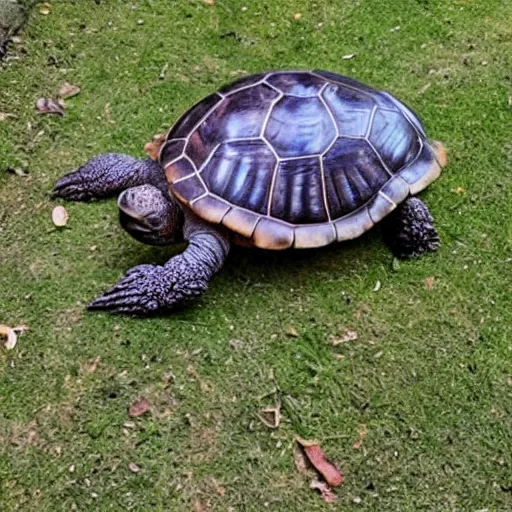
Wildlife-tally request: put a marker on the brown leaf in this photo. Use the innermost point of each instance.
(139, 407)
(50, 106)
(45, 9)
(291, 331)
(198, 506)
(9, 337)
(297, 16)
(133, 467)
(271, 416)
(6, 115)
(60, 216)
(348, 336)
(327, 469)
(93, 365)
(326, 492)
(68, 90)
(300, 459)
(152, 149)
(429, 282)
(459, 190)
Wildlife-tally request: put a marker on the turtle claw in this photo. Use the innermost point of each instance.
(149, 289)
(72, 187)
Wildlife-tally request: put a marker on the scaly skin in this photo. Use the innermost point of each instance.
(151, 289)
(409, 230)
(108, 174)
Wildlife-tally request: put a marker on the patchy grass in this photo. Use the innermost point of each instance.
(430, 373)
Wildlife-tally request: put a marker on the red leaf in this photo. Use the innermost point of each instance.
(328, 470)
(139, 407)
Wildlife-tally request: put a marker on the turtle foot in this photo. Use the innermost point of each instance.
(152, 289)
(409, 230)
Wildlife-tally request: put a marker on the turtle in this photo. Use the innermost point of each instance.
(275, 160)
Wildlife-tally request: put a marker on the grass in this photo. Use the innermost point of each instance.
(429, 376)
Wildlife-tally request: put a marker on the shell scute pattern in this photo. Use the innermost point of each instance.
(297, 158)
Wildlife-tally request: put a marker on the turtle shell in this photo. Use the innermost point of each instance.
(297, 159)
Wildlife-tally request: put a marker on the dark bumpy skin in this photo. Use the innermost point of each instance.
(151, 215)
(409, 230)
(108, 174)
(150, 289)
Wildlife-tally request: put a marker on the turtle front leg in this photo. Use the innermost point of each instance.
(105, 176)
(409, 230)
(150, 289)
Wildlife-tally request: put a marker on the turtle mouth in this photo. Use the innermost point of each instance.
(133, 223)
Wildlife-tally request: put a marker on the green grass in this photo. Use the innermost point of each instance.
(430, 374)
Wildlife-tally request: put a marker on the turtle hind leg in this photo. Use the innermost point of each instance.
(409, 230)
(105, 176)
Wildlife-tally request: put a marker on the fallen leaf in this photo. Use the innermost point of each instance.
(209, 2)
(297, 16)
(93, 365)
(429, 282)
(60, 216)
(45, 9)
(6, 115)
(349, 56)
(327, 469)
(459, 190)
(9, 335)
(139, 407)
(68, 90)
(133, 467)
(198, 507)
(152, 149)
(271, 416)
(291, 331)
(348, 336)
(326, 492)
(50, 106)
(17, 170)
(377, 286)
(300, 459)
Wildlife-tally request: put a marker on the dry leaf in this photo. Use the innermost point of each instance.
(300, 459)
(459, 190)
(291, 331)
(139, 407)
(429, 282)
(349, 56)
(45, 9)
(133, 467)
(9, 335)
(348, 336)
(327, 469)
(152, 149)
(68, 90)
(326, 492)
(297, 16)
(60, 216)
(271, 416)
(209, 2)
(6, 115)
(93, 365)
(50, 106)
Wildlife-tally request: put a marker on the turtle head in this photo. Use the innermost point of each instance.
(150, 216)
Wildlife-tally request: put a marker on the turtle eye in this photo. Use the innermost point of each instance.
(153, 221)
